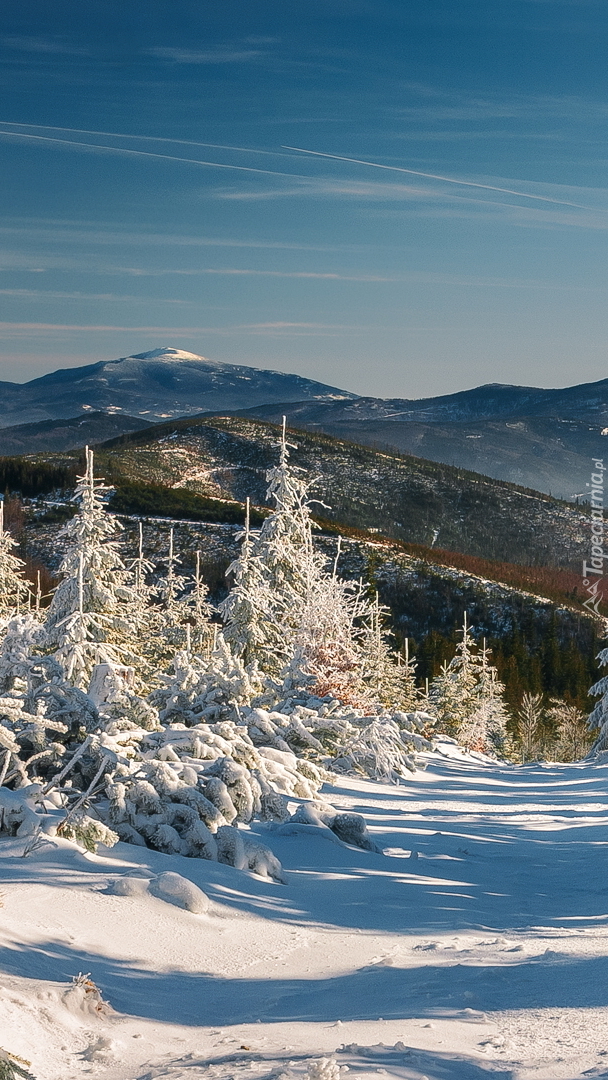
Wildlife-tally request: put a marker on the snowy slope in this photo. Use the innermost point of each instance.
(475, 945)
(154, 385)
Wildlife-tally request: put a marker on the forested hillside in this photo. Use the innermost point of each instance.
(434, 540)
(399, 496)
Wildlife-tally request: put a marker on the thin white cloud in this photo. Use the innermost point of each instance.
(24, 331)
(314, 274)
(300, 326)
(411, 277)
(445, 179)
(50, 45)
(328, 188)
(205, 56)
(44, 294)
(68, 234)
(122, 329)
(176, 331)
(432, 104)
(461, 134)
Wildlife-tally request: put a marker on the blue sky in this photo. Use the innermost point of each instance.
(148, 198)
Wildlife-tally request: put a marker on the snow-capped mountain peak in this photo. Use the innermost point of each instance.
(168, 354)
(155, 385)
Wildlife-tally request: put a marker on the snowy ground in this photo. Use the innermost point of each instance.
(476, 945)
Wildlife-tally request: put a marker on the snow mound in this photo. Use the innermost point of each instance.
(168, 886)
(350, 828)
(177, 890)
(129, 885)
(261, 861)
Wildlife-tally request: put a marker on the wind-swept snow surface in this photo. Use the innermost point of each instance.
(473, 944)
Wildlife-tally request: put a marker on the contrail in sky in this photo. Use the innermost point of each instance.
(142, 153)
(252, 169)
(145, 138)
(445, 179)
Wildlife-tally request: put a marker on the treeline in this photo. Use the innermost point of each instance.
(555, 583)
(30, 478)
(158, 500)
(536, 661)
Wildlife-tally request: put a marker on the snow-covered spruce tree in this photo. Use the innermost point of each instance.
(452, 692)
(571, 739)
(91, 616)
(299, 621)
(327, 651)
(23, 637)
(143, 594)
(20, 629)
(529, 720)
(169, 588)
(390, 677)
(272, 574)
(159, 611)
(250, 611)
(598, 719)
(385, 748)
(182, 619)
(484, 726)
(197, 614)
(14, 589)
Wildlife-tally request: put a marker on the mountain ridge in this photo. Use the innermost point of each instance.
(535, 437)
(67, 434)
(155, 385)
(404, 497)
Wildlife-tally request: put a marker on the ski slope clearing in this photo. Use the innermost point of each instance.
(474, 944)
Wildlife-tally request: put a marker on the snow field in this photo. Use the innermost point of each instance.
(487, 954)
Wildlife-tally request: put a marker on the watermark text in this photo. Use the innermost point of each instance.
(593, 569)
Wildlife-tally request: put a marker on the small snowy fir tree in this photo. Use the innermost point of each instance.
(529, 724)
(571, 739)
(598, 720)
(452, 692)
(383, 749)
(300, 622)
(23, 636)
(389, 676)
(183, 617)
(14, 590)
(250, 610)
(327, 642)
(169, 587)
(484, 726)
(197, 612)
(272, 574)
(91, 616)
(143, 594)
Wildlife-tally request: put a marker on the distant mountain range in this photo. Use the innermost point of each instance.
(548, 454)
(92, 428)
(154, 385)
(542, 439)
